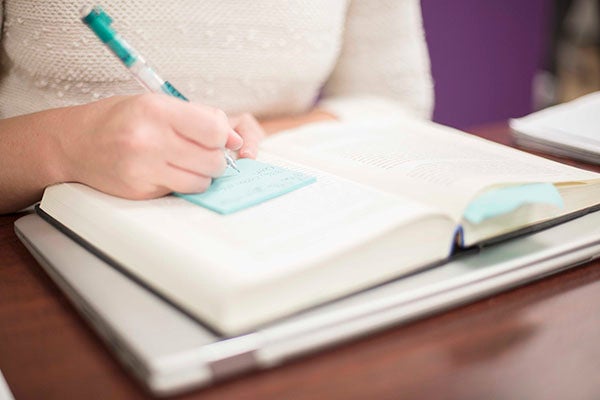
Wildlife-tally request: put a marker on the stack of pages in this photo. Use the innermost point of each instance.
(569, 130)
(389, 198)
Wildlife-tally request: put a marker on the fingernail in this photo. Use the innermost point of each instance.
(235, 134)
(238, 141)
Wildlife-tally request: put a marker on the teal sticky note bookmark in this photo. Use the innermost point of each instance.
(503, 200)
(256, 183)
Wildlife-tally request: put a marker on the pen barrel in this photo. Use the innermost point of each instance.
(146, 76)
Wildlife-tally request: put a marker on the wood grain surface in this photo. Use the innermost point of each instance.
(539, 341)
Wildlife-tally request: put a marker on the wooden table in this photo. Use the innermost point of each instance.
(540, 341)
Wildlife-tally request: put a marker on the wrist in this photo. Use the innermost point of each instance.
(58, 130)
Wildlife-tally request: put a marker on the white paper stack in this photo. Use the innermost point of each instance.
(570, 130)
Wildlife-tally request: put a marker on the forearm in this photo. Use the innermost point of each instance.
(29, 158)
(274, 125)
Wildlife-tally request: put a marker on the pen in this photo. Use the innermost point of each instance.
(99, 22)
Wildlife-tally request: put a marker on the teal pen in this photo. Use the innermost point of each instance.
(99, 22)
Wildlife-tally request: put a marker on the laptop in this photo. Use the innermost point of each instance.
(185, 354)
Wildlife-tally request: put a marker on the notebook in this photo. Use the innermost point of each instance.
(389, 199)
(570, 130)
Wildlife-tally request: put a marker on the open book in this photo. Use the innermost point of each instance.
(389, 199)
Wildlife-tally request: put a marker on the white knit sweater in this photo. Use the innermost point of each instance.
(267, 57)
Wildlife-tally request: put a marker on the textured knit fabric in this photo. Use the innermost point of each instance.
(267, 57)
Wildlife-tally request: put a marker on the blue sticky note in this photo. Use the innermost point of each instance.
(503, 200)
(256, 183)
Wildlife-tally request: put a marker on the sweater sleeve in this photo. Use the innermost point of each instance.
(383, 67)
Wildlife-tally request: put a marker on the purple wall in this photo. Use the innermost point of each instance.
(483, 56)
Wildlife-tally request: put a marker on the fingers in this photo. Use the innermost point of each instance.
(182, 181)
(251, 132)
(207, 126)
(188, 155)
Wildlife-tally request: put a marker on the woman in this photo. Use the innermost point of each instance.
(70, 111)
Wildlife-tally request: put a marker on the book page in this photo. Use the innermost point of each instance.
(439, 166)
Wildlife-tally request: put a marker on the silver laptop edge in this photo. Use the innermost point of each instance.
(170, 352)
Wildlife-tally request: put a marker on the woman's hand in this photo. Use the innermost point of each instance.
(145, 146)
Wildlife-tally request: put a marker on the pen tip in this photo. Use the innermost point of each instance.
(230, 162)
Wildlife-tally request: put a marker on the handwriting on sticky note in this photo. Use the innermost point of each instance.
(256, 183)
